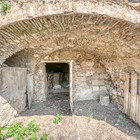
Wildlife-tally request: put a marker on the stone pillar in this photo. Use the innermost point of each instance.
(40, 83)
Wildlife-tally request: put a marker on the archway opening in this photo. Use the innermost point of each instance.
(57, 84)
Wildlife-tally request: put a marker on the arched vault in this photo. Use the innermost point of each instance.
(110, 34)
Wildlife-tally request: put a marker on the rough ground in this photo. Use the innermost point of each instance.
(77, 128)
(55, 103)
(80, 127)
(109, 114)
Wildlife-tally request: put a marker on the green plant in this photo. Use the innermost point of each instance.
(46, 136)
(34, 137)
(121, 120)
(90, 118)
(14, 130)
(105, 120)
(2, 137)
(21, 2)
(5, 6)
(33, 127)
(43, 1)
(58, 119)
(20, 133)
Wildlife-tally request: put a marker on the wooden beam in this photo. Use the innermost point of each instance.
(126, 93)
(138, 110)
(133, 96)
(138, 113)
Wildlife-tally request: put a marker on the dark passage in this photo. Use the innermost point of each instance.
(57, 76)
(58, 86)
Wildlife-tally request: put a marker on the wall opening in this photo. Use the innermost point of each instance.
(57, 77)
(58, 81)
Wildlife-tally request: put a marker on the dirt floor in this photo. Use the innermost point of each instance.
(55, 103)
(109, 114)
(100, 123)
(76, 128)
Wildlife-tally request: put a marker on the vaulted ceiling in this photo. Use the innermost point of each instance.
(113, 41)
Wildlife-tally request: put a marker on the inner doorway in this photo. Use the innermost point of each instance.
(58, 87)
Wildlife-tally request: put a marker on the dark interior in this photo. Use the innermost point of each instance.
(57, 75)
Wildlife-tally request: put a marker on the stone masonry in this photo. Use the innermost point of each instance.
(101, 41)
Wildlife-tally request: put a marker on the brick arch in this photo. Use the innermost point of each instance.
(33, 9)
(70, 25)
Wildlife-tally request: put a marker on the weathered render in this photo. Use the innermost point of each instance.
(102, 42)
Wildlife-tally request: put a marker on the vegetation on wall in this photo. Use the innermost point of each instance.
(7, 5)
(43, 1)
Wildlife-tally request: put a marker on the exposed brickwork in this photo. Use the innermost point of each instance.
(107, 31)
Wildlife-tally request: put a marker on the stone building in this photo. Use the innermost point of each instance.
(86, 49)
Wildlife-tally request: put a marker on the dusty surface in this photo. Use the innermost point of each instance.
(59, 103)
(77, 128)
(55, 103)
(109, 114)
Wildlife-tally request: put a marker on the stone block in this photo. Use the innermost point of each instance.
(96, 76)
(13, 87)
(98, 82)
(83, 94)
(104, 76)
(95, 88)
(57, 87)
(108, 87)
(82, 79)
(103, 88)
(114, 92)
(100, 70)
(104, 100)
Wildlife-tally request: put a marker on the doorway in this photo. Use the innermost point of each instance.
(58, 87)
(56, 79)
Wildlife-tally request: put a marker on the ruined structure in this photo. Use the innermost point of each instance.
(94, 46)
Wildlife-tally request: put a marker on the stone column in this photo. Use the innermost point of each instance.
(40, 83)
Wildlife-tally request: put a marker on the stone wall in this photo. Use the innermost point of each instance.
(90, 80)
(89, 77)
(23, 59)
